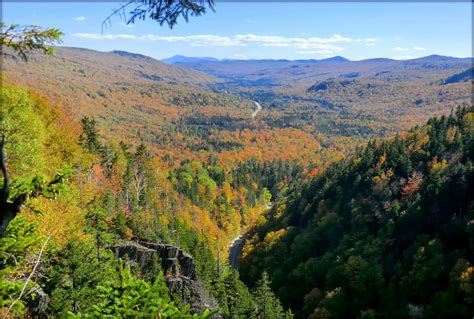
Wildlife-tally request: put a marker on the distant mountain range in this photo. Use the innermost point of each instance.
(282, 72)
(184, 59)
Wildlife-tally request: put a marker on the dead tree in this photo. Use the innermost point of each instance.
(8, 210)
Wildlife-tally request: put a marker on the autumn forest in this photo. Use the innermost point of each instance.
(232, 188)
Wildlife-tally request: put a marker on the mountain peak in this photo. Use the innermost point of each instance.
(337, 58)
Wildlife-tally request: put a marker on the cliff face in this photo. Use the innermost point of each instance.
(178, 268)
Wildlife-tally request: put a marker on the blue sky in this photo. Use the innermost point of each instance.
(306, 30)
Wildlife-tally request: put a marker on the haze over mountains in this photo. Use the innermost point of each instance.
(184, 59)
(328, 67)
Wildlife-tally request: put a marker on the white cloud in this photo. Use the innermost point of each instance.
(81, 18)
(370, 44)
(96, 36)
(197, 40)
(409, 49)
(251, 21)
(400, 49)
(194, 40)
(303, 43)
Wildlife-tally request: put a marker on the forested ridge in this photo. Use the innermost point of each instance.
(387, 233)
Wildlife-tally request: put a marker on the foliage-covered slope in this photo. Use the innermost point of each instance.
(182, 114)
(368, 97)
(170, 108)
(83, 195)
(388, 233)
(464, 76)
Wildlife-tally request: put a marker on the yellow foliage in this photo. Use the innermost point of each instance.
(468, 122)
(60, 218)
(383, 177)
(451, 133)
(273, 235)
(438, 166)
(467, 280)
(331, 294)
(128, 233)
(280, 210)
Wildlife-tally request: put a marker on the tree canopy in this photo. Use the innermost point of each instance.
(25, 38)
(162, 11)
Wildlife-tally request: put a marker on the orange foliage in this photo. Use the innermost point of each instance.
(313, 172)
(413, 184)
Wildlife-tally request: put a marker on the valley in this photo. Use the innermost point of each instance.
(322, 187)
(330, 105)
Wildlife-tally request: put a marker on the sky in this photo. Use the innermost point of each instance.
(266, 30)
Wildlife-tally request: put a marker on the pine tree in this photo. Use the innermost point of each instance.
(268, 305)
(125, 296)
(74, 272)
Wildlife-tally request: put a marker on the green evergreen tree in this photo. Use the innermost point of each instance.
(125, 296)
(73, 275)
(268, 305)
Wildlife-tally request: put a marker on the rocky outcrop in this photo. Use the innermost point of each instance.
(37, 303)
(178, 268)
(174, 261)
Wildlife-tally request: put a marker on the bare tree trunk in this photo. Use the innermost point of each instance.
(139, 185)
(8, 211)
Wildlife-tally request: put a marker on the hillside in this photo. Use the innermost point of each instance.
(74, 202)
(387, 233)
(368, 97)
(171, 108)
(465, 76)
(183, 113)
(305, 70)
(355, 239)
